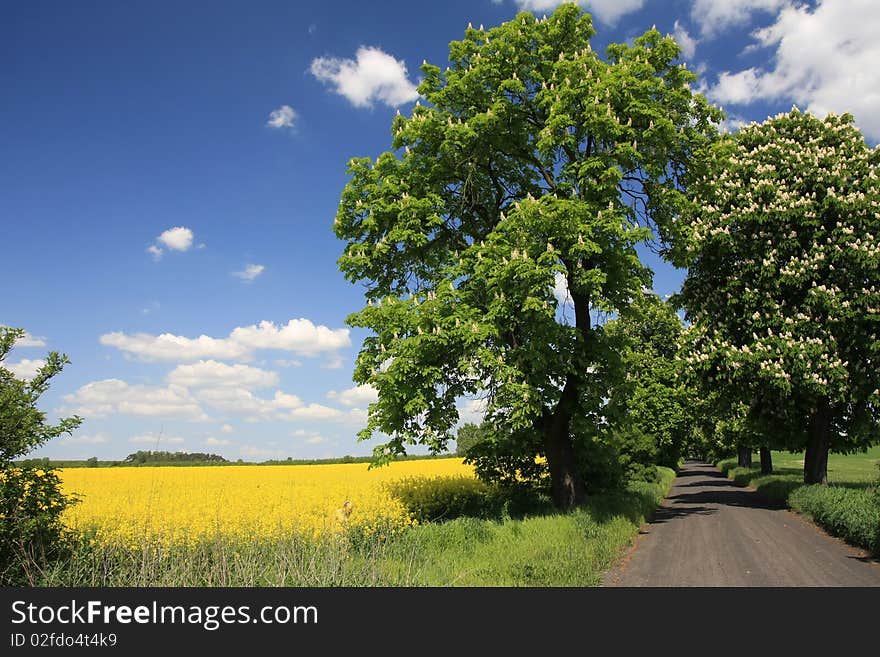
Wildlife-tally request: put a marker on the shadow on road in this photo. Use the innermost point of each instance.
(701, 489)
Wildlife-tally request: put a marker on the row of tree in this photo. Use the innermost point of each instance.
(536, 165)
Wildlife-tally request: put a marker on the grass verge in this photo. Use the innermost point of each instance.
(546, 549)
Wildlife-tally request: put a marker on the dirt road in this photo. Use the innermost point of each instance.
(710, 532)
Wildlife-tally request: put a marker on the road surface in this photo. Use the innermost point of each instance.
(711, 532)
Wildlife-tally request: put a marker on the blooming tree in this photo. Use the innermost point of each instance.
(535, 162)
(783, 287)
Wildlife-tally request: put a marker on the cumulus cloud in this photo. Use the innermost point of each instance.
(254, 452)
(825, 61)
(313, 412)
(687, 43)
(240, 401)
(155, 251)
(156, 440)
(299, 336)
(113, 396)
(373, 76)
(210, 441)
(362, 395)
(28, 340)
(227, 428)
(25, 369)
(211, 373)
(606, 11)
(472, 410)
(249, 273)
(178, 238)
(714, 16)
(283, 117)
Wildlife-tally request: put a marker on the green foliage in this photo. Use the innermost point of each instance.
(31, 531)
(430, 499)
(31, 500)
(534, 161)
(853, 514)
(650, 407)
(783, 285)
(142, 457)
(468, 435)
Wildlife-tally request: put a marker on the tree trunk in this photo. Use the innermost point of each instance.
(766, 461)
(744, 457)
(816, 458)
(567, 485)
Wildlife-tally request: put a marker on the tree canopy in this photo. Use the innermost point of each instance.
(533, 162)
(783, 284)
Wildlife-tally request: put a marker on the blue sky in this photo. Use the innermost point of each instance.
(169, 173)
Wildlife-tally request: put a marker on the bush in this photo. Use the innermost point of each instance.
(850, 513)
(31, 531)
(430, 499)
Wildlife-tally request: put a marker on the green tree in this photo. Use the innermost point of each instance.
(468, 436)
(533, 159)
(650, 402)
(783, 287)
(31, 501)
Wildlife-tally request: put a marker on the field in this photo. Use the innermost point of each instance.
(285, 526)
(128, 506)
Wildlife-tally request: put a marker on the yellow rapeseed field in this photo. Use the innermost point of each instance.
(185, 504)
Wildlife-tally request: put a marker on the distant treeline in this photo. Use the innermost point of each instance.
(153, 458)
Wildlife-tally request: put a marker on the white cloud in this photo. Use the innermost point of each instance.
(292, 362)
(687, 43)
(25, 369)
(358, 396)
(299, 336)
(155, 251)
(211, 373)
(174, 347)
(178, 238)
(87, 439)
(314, 412)
(316, 440)
(560, 289)
(373, 76)
(249, 273)
(210, 441)
(283, 117)
(825, 60)
(227, 428)
(113, 396)
(28, 340)
(239, 401)
(157, 440)
(714, 16)
(472, 410)
(606, 11)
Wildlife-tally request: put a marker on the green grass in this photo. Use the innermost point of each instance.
(547, 549)
(849, 507)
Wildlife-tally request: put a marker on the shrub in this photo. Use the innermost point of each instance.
(31, 531)
(430, 499)
(850, 513)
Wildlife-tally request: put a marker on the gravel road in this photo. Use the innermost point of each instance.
(710, 532)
